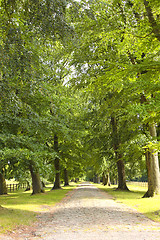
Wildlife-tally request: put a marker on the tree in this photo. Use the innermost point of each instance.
(56, 165)
(111, 55)
(66, 179)
(27, 29)
(115, 53)
(120, 164)
(151, 158)
(3, 186)
(36, 182)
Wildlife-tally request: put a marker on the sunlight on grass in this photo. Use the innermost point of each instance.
(24, 207)
(148, 206)
(9, 218)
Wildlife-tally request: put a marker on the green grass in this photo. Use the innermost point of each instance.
(20, 208)
(148, 206)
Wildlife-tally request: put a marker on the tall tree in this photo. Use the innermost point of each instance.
(3, 186)
(36, 182)
(115, 53)
(27, 29)
(56, 164)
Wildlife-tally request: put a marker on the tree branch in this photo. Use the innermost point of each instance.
(152, 21)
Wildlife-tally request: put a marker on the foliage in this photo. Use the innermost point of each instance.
(116, 62)
(67, 68)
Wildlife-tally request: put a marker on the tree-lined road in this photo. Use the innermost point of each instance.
(88, 213)
(79, 91)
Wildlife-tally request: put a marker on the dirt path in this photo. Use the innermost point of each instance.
(88, 213)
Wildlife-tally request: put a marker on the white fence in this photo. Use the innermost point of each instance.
(141, 184)
(14, 187)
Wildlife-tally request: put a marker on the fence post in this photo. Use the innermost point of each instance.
(13, 187)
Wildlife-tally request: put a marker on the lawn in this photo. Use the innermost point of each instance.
(21, 208)
(148, 206)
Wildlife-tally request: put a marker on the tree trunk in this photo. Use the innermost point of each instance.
(43, 184)
(109, 181)
(76, 180)
(121, 175)
(36, 182)
(28, 188)
(96, 179)
(153, 23)
(57, 177)
(105, 179)
(152, 164)
(66, 180)
(3, 186)
(57, 184)
(120, 164)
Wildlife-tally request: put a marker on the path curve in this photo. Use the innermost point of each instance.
(89, 213)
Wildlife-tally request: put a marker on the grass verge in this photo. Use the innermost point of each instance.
(20, 208)
(148, 206)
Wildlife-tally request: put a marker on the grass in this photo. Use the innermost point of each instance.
(20, 208)
(148, 206)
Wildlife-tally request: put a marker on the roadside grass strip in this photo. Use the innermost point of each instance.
(150, 207)
(21, 208)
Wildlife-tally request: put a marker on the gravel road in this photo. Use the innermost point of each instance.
(88, 213)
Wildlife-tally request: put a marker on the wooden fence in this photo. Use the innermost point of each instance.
(141, 184)
(13, 187)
